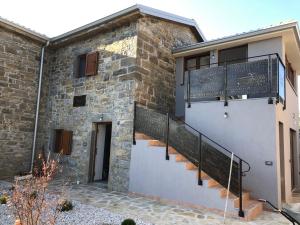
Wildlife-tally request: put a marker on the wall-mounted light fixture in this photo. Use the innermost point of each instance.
(101, 117)
(213, 54)
(225, 115)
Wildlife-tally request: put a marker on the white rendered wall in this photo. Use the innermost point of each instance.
(289, 118)
(249, 131)
(152, 175)
(270, 46)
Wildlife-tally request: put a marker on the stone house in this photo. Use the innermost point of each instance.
(140, 101)
(103, 66)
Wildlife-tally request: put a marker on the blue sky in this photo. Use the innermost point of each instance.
(216, 18)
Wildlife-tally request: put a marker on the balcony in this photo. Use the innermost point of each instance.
(255, 77)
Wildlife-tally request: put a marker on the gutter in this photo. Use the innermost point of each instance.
(38, 106)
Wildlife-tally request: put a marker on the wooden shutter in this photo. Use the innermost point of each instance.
(91, 64)
(67, 142)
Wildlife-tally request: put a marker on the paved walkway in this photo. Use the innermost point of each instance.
(154, 211)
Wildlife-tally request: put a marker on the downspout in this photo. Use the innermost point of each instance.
(37, 106)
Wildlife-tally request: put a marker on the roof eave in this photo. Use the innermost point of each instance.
(292, 25)
(22, 30)
(135, 8)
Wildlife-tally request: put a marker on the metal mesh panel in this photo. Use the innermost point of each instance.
(151, 123)
(217, 165)
(208, 82)
(186, 141)
(247, 78)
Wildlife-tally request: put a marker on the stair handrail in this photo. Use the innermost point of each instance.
(241, 161)
(200, 133)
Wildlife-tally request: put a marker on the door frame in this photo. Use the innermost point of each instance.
(293, 156)
(93, 147)
(281, 160)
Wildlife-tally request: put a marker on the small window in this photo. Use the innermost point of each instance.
(233, 55)
(63, 142)
(87, 64)
(81, 65)
(290, 73)
(198, 62)
(79, 101)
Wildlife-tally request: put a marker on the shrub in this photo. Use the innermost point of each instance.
(29, 201)
(3, 199)
(65, 205)
(128, 222)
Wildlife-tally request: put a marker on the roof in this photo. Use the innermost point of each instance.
(23, 30)
(135, 8)
(245, 35)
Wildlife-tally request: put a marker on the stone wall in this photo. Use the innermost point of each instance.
(109, 93)
(155, 62)
(19, 68)
(135, 63)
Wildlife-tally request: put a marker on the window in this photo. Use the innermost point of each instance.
(87, 64)
(197, 62)
(290, 72)
(233, 55)
(81, 65)
(79, 101)
(63, 142)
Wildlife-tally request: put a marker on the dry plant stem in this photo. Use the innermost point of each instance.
(30, 202)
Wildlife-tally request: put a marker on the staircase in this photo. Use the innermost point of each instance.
(198, 161)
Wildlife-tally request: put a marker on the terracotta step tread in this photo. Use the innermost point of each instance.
(190, 166)
(181, 158)
(204, 176)
(142, 136)
(251, 204)
(172, 150)
(223, 193)
(156, 143)
(213, 184)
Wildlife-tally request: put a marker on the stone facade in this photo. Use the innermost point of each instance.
(19, 68)
(135, 63)
(155, 62)
(109, 93)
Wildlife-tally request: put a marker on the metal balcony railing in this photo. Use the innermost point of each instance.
(255, 77)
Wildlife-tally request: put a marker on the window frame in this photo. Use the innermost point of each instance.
(88, 60)
(197, 57)
(79, 58)
(78, 101)
(63, 141)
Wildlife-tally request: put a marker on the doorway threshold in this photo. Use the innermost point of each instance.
(100, 184)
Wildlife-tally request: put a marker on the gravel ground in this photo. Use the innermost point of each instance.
(81, 214)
